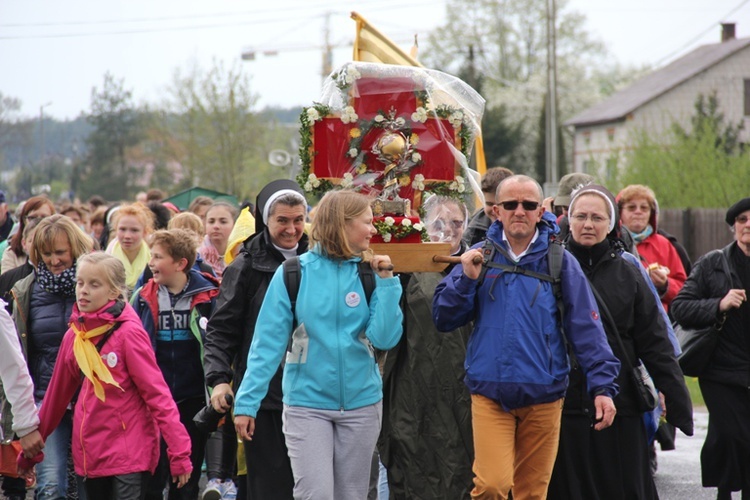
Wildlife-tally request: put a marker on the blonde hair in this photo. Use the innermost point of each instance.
(328, 230)
(190, 222)
(50, 228)
(113, 271)
(137, 210)
(634, 191)
(178, 243)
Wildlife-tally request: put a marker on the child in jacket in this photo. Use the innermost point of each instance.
(124, 403)
(174, 307)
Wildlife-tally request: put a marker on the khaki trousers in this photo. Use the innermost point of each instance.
(514, 449)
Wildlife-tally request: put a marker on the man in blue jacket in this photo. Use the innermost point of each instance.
(516, 361)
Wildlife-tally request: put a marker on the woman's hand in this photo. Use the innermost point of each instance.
(218, 397)
(382, 265)
(733, 299)
(181, 480)
(605, 412)
(32, 443)
(245, 426)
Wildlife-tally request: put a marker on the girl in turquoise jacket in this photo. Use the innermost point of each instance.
(332, 386)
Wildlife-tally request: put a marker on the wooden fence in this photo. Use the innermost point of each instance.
(699, 230)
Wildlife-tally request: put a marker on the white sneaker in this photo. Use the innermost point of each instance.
(228, 490)
(213, 490)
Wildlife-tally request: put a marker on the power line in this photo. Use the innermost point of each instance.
(130, 31)
(700, 35)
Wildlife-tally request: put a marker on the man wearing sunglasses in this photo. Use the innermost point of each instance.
(516, 361)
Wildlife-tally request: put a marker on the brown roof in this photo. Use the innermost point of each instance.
(617, 106)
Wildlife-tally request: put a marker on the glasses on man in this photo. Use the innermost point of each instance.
(741, 219)
(513, 204)
(596, 219)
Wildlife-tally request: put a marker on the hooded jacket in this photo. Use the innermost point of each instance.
(516, 354)
(119, 435)
(332, 365)
(181, 360)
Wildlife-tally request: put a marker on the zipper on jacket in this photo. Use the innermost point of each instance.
(338, 340)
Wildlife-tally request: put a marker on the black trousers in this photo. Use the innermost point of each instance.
(162, 475)
(269, 471)
(124, 487)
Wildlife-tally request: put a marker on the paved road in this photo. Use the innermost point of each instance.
(679, 474)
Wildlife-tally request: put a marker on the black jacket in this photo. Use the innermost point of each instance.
(634, 310)
(232, 325)
(697, 305)
(476, 229)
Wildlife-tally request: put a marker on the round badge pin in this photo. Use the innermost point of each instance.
(352, 299)
(203, 322)
(111, 359)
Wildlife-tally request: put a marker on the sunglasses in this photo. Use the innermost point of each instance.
(512, 205)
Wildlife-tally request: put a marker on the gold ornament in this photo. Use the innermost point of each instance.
(392, 146)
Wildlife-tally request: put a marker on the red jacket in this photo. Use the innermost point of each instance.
(121, 434)
(657, 249)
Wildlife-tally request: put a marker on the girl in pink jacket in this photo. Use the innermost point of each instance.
(124, 402)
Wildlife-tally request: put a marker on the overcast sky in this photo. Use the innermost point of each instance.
(52, 53)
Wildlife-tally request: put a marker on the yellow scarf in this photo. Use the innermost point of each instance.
(89, 360)
(133, 270)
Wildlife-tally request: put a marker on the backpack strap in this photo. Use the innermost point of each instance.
(292, 278)
(367, 277)
(554, 262)
(488, 253)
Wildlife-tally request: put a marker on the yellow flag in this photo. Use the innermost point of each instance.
(370, 45)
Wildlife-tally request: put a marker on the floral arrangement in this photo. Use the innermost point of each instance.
(360, 176)
(388, 229)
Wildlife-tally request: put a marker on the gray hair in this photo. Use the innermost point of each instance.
(288, 199)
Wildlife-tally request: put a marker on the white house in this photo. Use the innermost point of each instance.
(603, 132)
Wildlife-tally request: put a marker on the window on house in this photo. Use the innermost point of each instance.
(747, 97)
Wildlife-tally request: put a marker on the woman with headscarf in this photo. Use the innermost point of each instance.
(613, 463)
(711, 297)
(279, 224)
(426, 442)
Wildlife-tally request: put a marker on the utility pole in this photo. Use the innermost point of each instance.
(552, 170)
(327, 66)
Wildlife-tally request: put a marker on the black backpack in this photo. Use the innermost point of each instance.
(293, 276)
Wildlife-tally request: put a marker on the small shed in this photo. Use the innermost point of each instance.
(183, 199)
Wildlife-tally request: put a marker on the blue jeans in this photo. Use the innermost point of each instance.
(52, 472)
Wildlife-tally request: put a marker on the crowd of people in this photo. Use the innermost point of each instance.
(523, 370)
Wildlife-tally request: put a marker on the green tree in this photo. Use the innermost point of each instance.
(701, 167)
(502, 138)
(509, 38)
(219, 141)
(117, 128)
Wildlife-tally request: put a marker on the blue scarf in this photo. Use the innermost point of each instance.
(639, 237)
